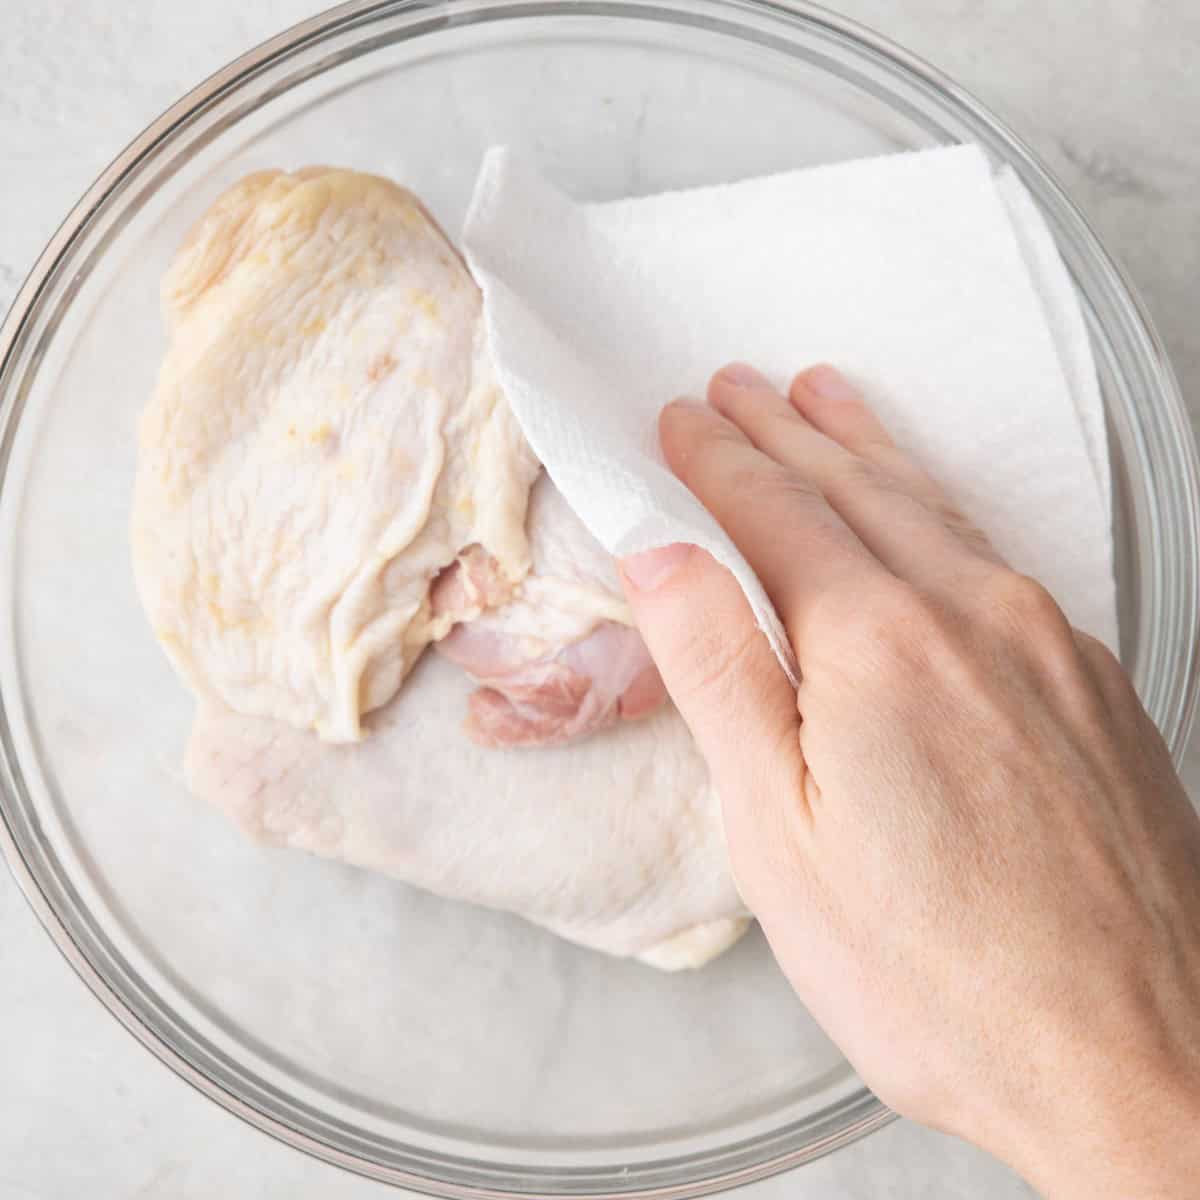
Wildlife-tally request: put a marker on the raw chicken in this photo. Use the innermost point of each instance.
(615, 842)
(329, 480)
(562, 658)
(325, 438)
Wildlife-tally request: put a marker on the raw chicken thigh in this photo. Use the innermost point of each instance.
(562, 658)
(329, 481)
(614, 842)
(325, 438)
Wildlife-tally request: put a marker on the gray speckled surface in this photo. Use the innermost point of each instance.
(1106, 92)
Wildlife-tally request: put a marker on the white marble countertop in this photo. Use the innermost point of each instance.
(1106, 92)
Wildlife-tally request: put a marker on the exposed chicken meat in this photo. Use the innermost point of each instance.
(561, 659)
(470, 585)
(326, 436)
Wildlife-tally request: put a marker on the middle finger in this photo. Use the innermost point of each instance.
(905, 531)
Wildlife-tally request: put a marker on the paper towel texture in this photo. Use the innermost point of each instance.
(932, 283)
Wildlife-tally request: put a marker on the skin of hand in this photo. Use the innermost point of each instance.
(963, 836)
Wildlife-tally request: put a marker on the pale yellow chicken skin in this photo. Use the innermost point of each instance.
(325, 437)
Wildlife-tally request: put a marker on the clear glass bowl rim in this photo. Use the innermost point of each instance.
(51, 899)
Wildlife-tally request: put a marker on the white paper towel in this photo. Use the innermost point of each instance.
(933, 284)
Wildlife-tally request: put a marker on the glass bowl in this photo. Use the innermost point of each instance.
(447, 1049)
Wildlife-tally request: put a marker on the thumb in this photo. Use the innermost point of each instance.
(717, 665)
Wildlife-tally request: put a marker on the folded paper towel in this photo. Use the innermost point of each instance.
(931, 281)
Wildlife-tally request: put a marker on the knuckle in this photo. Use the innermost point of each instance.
(1024, 604)
(693, 437)
(736, 404)
(854, 474)
(772, 488)
(1101, 658)
(896, 470)
(964, 529)
(710, 660)
(1023, 614)
(1106, 667)
(712, 434)
(825, 537)
(897, 464)
(746, 481)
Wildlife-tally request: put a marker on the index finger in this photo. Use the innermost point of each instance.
(810, 561)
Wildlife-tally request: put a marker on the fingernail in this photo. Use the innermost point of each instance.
(742, 375)
(652, 568)
(830, 383)
(686, 403)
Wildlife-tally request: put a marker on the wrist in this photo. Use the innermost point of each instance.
(1112, 1131)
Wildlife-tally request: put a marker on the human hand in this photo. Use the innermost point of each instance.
(964, 837)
